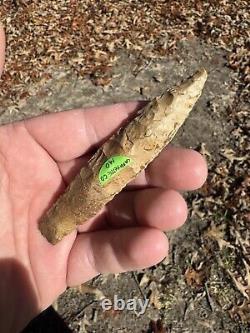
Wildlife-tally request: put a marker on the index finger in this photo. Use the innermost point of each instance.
(70, 134)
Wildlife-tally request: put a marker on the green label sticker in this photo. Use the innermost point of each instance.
(111, 167)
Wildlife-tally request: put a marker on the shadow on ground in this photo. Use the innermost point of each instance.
(49, 321)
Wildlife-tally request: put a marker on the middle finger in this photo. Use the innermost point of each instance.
(174, 168)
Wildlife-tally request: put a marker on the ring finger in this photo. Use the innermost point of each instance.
(155, 207)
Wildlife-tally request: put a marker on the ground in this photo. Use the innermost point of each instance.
(204, 284)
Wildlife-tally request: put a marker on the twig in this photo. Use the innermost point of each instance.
(209, 299)
(138, 285)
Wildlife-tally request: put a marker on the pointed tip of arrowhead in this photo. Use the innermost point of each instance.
(201, 74)
(200, 77)
(202, 71)
(193, 86)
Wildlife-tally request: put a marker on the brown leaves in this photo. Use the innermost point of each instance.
(154, 299)
(217, 233)
(243, 286)
(114, 25)
(241, 312)
(195, 278)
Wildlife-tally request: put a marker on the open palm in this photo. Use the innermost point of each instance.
(38, 158)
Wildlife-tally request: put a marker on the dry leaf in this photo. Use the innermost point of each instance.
(154, 299)
(195, 278)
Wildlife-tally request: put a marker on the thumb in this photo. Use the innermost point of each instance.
(2, 48)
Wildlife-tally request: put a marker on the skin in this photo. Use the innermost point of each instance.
(38, 158)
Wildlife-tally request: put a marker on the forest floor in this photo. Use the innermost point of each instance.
(84, 53)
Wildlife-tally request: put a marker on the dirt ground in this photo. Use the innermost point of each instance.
(204, 283)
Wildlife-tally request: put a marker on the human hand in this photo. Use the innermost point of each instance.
(38, 158)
